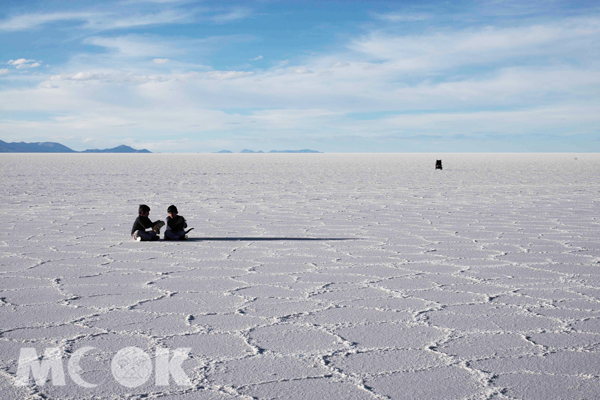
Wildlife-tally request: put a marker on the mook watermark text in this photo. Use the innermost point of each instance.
(130, 367)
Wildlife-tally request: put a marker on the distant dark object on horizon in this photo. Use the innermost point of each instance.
(51, 147)
(251, 151)
(438, 164)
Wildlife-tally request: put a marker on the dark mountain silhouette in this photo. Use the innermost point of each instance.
(51, 147)
(119, 149)
(37, 147)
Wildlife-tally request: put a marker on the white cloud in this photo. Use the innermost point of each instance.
(301, 70)
(340, 64)
(19, 61)
(30, 21)
(153, 46)
(4, 71)
(448, 49)
(136, 45)
(48, 85)
(128, 14)
(23, 63)
(108, 77)
(398, 17)
(155, 1)
(101, 20)
(233, 15)
(141, 19)
(355, 90)
(221, 75)
(160, 60)
(294, 118)
(507, 122)
(256, 58)
(116, 77)
(82, 76)
(420, 78)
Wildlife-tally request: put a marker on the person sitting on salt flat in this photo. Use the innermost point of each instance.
(175, 225)
(142, 222)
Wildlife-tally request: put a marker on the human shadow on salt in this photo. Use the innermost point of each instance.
(257, 239)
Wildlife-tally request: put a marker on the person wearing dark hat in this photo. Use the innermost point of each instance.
(176, 225)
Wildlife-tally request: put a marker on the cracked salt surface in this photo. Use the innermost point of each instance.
(480, 281)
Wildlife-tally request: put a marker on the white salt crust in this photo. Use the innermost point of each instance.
(476, 282)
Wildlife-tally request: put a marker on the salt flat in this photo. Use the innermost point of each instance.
(308, 275)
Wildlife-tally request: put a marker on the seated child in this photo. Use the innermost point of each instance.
(138, 232)
(175, 225)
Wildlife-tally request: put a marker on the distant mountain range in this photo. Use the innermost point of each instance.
(51, 147)
(119, 149)
(273, 151)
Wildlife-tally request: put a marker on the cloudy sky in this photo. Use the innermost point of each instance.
(335, 76)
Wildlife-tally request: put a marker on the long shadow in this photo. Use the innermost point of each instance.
(258, 239)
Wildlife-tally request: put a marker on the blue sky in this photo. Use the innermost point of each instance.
(335, 76)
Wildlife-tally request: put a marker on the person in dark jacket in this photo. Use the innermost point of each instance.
(142, 222)
(176, 225)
